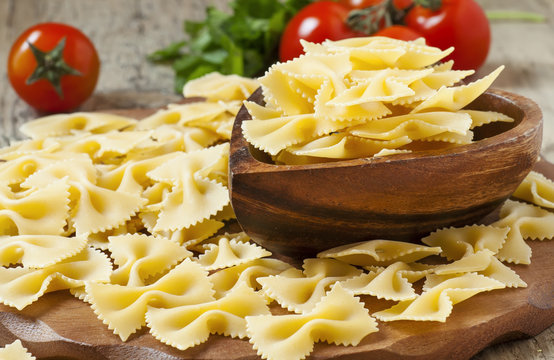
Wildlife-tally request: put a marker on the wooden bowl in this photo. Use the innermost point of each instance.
(299, 210)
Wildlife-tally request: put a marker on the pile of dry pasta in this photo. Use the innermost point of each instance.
(125, 214)
(364, 97)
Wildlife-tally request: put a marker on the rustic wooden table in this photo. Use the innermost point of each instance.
(125, 31)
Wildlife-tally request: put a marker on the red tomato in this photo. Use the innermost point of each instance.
(53, 67)
(316, 22)
(399, 32)
(459, 23)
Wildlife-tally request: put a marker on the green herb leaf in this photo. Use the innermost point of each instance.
(243, 42)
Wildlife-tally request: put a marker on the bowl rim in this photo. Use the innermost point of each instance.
(531, 120)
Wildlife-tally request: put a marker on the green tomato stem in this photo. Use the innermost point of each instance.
(515, 15)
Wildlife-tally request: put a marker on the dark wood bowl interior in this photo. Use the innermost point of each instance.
(299, 210)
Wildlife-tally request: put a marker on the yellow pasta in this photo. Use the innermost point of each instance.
(339, 318)
(356, 86)
(436, 303)
(188, 325)
(65, 124)
(22, 286)
(215, 86)
(391, 283)
(38, 251)
(37, 211)
(139, 257)
(482, 262)
(459, 242)
(300, 291)
(230, 252)
(123, 308)
(15, 351)
(525, 221)
(536, 188)
(379, 252)
(225, 280)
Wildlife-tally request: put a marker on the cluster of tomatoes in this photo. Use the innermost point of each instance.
(443, 23)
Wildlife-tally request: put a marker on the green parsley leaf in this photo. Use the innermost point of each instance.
(244, 42)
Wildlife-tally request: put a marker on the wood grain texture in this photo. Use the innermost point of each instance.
(125, 30)
(300, 210)
(59, 325)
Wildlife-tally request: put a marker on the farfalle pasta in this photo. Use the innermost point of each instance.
(525, 221)
(21, 286)
(153, 196)
(536, 188)
(379, 252)
(189, 325)
(15, 351)
(339, 318)
(187, 283)
(375, 88)
(391, 283)
(38, 251)
(300, 291)
(436, 303)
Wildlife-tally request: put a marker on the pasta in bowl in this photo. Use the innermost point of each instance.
(306, 206)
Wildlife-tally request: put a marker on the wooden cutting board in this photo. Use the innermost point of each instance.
(60, 325)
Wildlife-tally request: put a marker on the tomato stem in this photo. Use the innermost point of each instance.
(433, 5)
(51, 66)
(515, 15)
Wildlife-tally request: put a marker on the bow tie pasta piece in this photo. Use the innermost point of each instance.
(123, 308)
(274, 135)
(259, 112)
(35, 211)
(100, 240)
(300, 291)
(140, 257)
(215, 86)
(280, 95)
(17, 170)
(455, 98)
(459, 242)
(167, 139)
(193, 234)
(339, 318)
(38, 251)
(391, 283)
(229, 253)
(379, 252)
(355, 113)
(185, 326)
(130, 177)
(384, 85)
(314, 70)
(20, 287)
(96, 209)
(65, 124)
(375, 52)
(345, 146)
(181, 115)
(15, 351)
(405, 77)
(525, 221)
(199, 189)
(483, 263)
(436, 303)
(28, 147)
(103, 147)
(225, 280)
(415, 126)
(536, 188)
(480, 118)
